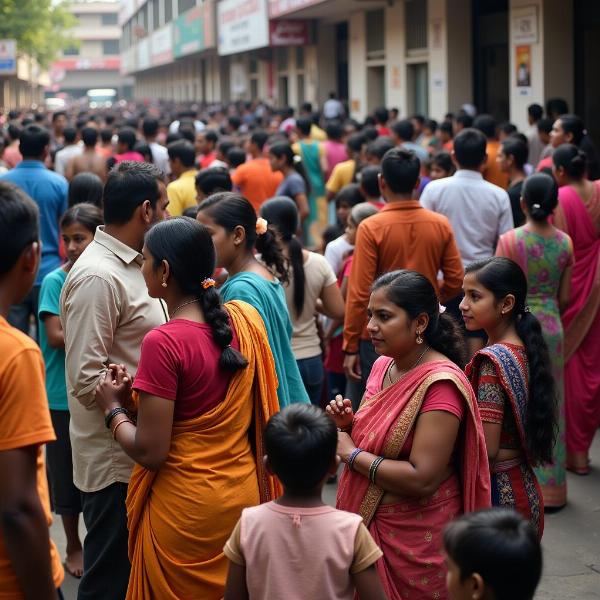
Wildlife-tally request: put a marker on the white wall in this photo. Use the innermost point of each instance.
(357, 65)
(394, 54)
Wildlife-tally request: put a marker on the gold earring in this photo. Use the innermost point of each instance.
(164, 284)
(419, 338)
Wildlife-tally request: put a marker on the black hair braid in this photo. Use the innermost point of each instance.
(541, 421)
(297, 264)
(218, 319)
(271, 254)
(445, 336)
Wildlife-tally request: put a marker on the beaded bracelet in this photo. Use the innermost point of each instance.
(373, 468)
(352, 458)
(119, 410)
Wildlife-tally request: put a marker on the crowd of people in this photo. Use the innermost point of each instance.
(204, 311)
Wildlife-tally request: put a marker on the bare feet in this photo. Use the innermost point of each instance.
(74, 563)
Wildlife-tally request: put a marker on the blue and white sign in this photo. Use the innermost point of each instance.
(8, 57)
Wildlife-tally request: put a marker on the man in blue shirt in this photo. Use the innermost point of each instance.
(49, 191)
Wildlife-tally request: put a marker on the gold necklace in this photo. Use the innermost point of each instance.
(403, 373)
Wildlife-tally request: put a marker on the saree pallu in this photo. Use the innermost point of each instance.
(410, 532)
(514, 483)
(581, 319)
(316, 222)
(180, 516)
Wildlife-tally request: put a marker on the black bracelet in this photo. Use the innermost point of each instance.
(119, 410)
(373, 468)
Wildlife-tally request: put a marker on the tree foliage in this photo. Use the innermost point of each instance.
(41, 27)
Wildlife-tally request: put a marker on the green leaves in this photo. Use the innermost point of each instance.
(40, 27)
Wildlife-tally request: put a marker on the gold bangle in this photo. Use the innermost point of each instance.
(114, 431)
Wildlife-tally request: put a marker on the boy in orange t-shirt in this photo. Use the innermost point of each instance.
(29, 563)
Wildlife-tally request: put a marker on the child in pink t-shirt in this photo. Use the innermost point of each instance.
(297, 547)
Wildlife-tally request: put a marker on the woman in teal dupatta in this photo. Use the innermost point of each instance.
(312, 155)
(232, 222)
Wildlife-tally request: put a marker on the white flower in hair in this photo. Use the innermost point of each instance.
(297, 158)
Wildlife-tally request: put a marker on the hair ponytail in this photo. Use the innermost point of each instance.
(540, 194)
(502, 277)
(540, 426)
(187, 247)
(284, 150)
(282, 214)
(415, 294)
(218, 320)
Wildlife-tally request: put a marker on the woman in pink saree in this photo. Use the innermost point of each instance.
(415, 450)
(578, 214)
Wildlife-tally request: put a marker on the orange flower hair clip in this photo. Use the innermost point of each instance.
(208, 282)
(261, 226)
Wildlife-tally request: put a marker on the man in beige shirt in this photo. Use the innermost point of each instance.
(106, 312)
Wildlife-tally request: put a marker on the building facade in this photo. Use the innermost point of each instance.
(94, 61)
(421, 56)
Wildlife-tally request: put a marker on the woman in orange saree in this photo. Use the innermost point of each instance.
(414, 451)
(207, 387)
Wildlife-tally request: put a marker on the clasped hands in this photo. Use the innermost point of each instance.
(114, 390)
(340, 410)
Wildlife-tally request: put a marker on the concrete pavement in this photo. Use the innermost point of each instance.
(571, 541)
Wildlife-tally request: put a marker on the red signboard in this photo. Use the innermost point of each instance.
(87, 64)
(288, 33)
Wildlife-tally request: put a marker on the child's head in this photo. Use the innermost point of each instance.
(77, 227)
(540, 196)
(331, 232)
(86, 188)
(441, 165)
(301, 445)
(492, 554)
(369, 182)
(19, 240)
(212, 181)
(236, 157)
(347, 197)
(357, 215)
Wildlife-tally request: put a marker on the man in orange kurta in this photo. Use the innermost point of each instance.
(403, 235)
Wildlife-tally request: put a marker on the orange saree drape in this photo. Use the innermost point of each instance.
(180, 516)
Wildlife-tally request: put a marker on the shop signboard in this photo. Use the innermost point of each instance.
(8, 57)
(161, 43)
(193, 31)
(242, 25)
(143, 54)
(288, 33)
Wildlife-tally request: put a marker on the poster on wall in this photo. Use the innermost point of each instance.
(523, 66)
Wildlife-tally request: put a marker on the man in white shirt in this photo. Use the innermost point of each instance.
(333, 108)
(160, 156)
(534, 113)
(71, 149)
(478, 211)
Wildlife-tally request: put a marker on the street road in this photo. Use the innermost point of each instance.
(571, 541)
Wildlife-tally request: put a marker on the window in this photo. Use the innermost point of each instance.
(184, 5)
(110, 47)
(300, 58)
(282, 59)
(71, 51)
(168, 11)
(415, 16)
(110, 19)
(376, 34)
(156, 15)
